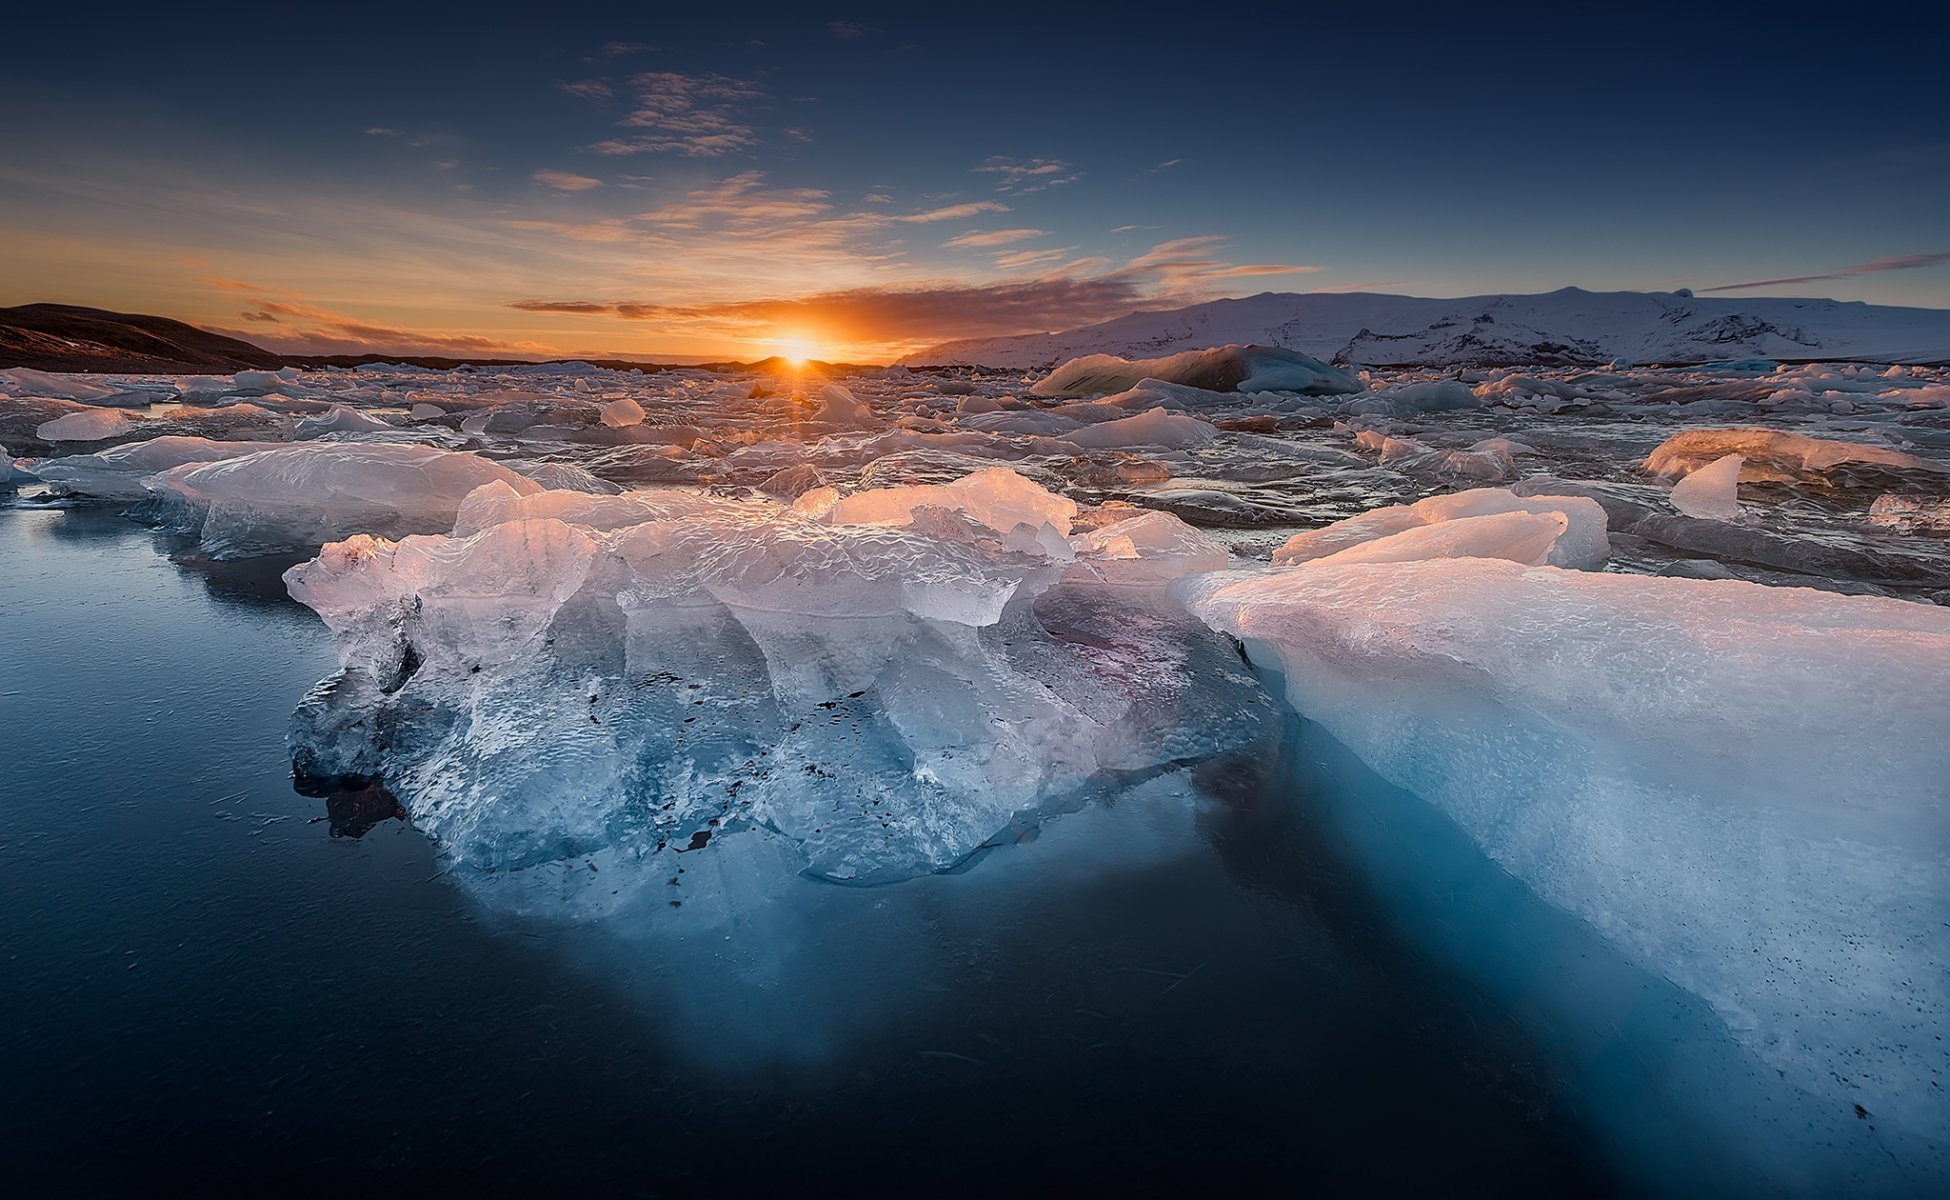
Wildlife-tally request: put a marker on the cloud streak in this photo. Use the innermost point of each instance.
(1901, 262)
(699, 116)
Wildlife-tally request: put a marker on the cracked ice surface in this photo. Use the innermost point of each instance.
(888, 692)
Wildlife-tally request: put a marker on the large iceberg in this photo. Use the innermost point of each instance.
(887, 681)
(1741, 787)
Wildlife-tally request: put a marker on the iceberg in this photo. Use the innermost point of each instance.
(1712, 491)
(300, 497)
(1222, 369)
(886, 683)
(1741, 787)
(1772, 455)
(119, 473)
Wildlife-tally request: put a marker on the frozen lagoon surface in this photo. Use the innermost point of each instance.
(824, 739)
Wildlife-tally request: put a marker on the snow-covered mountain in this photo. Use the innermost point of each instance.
(1571, 326)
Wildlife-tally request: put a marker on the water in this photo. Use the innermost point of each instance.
(204, 988)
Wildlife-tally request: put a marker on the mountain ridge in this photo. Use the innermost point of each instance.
(1568, 327)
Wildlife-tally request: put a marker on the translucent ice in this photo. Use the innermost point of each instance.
(118, 473)
(1772, 454)
(1741, 787)
(302, 496)
(886, 694)
(1712, 491)
(1580, 541)
(92, 426)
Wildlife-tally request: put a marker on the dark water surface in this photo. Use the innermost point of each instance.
(201, 987)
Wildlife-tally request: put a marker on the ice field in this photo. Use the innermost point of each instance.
(1653, 663)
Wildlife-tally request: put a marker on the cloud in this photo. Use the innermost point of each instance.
(619, 49)
(1017, 260)
(955, 212)
(992, 237)
(910, 315)
(1031, 176)
(564, 181)
(848, 31)
(382, 131)
(586, 89)
(1166, 165)
(700, 116)
(298, 328)
(1903, 262)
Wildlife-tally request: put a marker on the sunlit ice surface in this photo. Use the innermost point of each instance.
(695, 670)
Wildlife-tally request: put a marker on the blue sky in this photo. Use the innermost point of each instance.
(721, 179)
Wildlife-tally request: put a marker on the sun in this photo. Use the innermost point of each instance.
(796, 348)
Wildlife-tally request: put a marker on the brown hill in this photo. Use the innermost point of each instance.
(66, 337)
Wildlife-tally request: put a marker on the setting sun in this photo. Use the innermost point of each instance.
(796, 348)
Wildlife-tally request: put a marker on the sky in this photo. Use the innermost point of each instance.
(737, 180)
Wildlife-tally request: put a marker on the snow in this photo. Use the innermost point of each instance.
(1711, 492)
(1570, 326)
(1740, 787)
(1224, 369)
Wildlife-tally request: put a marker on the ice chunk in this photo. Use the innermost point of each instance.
(998, 498)
(621, 413)
(566, 477)
(1741, 787)
(426, 412)
(118, 473)
(1904, 514)
(885, 697)
(297, 497)
(1524, 537)
(1712, 491)
(1222, 369)
(340, 420)
(1156, 427)
(30, 382)
(839, 406)
(92, 426)
(1581, 543)
(1428, 395)
(497, 503)
(1772, 455)
(1149, 550)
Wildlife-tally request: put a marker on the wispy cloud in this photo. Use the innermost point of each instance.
(909, 315)
(1903, 262)
(954, 212)
(299, 328)
(586, 89)
(848, 31)
(564, 181)
(992, 237)
(701, 116)
(619, 49)
(1031, 176)
(383, 131)
(1166, 165)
